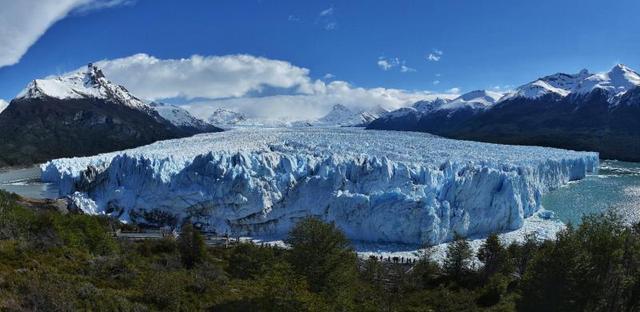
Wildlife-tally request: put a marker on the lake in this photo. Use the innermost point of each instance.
(616, 188)
(26, 182)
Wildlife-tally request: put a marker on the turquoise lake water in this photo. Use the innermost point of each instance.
(616, 187)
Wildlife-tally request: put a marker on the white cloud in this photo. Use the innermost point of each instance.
(327, 19)
(94, 5)
(293, 18)
(389, 63)
(255, 86)
(406, 69)
(22, 22)
(331, 26)
(454, 90)
(205, 76)
(326, 12)
(3, 105)
(433, 58)
(386, 64)
(436, 82)
(328, 76)
(435, 55)
(310, 106)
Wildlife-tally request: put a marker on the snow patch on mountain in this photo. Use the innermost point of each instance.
(427, 106)
(479, 99)
(377, 186)
(226, 117)
(341, 115)
(90, 83)
(617, 81)
(3, 105)
(178, 116)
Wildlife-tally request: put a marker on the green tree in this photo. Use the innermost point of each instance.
(494, 257)
(191, 245)
(458, 259)
(248, 260)
(321, 253)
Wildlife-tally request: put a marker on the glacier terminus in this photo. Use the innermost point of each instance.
(377, 186)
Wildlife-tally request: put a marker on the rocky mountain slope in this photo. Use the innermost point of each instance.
(79, 114)
(584, 111)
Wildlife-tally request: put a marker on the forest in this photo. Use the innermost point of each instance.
(72, 262)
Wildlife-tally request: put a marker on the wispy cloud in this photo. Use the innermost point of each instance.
(23, 22)
(328, 76)
(503, 88)
(387, 64)
(95, 5)
(326, 12)
(293, 18)
(390, 63)
(453, 90)
(436, 82)
(435, 56)
(255, 86)
(327, 19)
(406, 69)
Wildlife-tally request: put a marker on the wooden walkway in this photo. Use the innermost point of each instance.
(210, 240)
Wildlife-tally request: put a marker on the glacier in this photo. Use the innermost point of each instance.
(377, 186)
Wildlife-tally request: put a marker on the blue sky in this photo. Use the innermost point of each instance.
(473, 44)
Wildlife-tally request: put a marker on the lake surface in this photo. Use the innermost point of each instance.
(26, 182)
(616, 188)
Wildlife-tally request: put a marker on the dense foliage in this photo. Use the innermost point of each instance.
(55, 262)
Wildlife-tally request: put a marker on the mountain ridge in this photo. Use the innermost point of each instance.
(597, 112)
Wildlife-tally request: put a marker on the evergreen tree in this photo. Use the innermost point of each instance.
(191, 245)
(494, 257)
(321, 253)
(458, 259)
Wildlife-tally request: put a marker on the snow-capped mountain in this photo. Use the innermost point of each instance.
(341, 115)
(226, 117)
(559, 84)
(474, 100)
(180, 117)
(82, 85)
(583, 111)
(427, 106)
(616, 81)
(438, 113)
(3, 105)
(79, 114)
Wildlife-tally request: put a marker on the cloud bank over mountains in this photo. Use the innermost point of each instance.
(255, 86)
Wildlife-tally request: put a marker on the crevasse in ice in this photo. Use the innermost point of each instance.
(380, 186)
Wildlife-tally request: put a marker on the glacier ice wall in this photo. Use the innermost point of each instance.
(375, 185)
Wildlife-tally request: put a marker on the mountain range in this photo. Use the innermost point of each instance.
(584, 111)
(83, 113)
(339, 116)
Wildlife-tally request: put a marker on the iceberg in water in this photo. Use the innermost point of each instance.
(381, 186)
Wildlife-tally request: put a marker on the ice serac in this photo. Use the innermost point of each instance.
(382, 186)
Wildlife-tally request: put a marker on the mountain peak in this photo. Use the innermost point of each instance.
(340, 107)
(616, 81)
(82, 84)
(620, 68)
